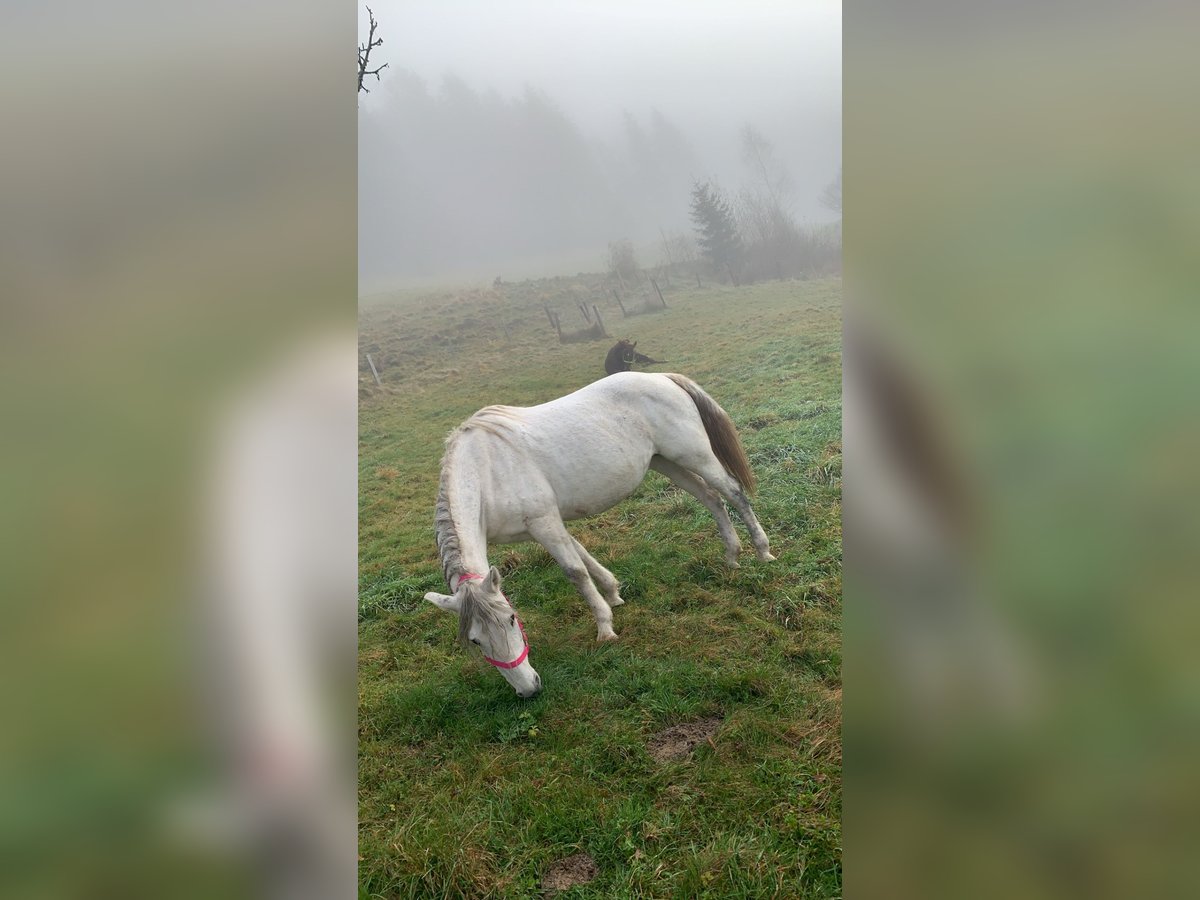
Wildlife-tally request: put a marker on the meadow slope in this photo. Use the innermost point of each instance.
(467, 791)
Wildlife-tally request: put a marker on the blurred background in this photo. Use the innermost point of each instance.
(1022, 436)
(177, 280)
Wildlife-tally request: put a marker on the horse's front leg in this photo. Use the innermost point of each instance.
(601, 577)
(553, 535)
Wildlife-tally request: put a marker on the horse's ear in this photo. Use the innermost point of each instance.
(493, 579)
(444, 601)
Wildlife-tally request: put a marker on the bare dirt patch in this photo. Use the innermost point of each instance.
(576, 869)
(678, 741)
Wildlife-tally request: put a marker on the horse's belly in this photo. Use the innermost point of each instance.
(510, 528)
(574, 477)
(594, 490)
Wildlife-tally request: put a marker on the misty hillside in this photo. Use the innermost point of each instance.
(521, 139)
(459, 181)
(452, 177)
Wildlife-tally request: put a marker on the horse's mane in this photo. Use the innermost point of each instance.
(497, 420)
(476, 605)
(445, 532)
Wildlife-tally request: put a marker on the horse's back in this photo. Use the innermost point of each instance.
(624, 408)
(590, 449)
(627, 390)
(635, 404)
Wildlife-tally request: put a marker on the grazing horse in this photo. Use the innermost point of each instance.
(517, 473)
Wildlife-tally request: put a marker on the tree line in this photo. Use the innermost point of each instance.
(752, 236)
(756, 236)
(466, 178)
(459, 175)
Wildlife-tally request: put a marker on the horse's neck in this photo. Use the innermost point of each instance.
(462, 541)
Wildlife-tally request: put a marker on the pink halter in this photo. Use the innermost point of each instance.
(469, 576)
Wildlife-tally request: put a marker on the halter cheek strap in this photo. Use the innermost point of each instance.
(471, 576)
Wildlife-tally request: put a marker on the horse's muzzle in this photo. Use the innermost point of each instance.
(537, 689)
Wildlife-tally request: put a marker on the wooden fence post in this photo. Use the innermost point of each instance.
(660, 296)
(553, 322)
(624, 314)
(599, 321)
(374, 371)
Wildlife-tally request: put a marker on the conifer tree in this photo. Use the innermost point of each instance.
(716, 229)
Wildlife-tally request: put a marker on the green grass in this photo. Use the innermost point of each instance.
(467, 791)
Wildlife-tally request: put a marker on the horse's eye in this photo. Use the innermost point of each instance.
(475, 641)
(512, 618)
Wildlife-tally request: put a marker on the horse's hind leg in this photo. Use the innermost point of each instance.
(553, 535)
(606, 580)
(708, 467)
(695, 486)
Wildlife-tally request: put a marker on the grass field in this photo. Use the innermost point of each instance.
(697, 756)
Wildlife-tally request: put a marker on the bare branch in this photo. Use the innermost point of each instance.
(364, 54)
(759, 155)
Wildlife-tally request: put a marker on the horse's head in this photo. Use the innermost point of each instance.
(487, 620)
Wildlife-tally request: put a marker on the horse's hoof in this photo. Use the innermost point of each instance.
(609, 635)
(766, 557)
(616, 601)
(731, 562)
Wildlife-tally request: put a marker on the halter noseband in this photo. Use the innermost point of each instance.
(471, 576)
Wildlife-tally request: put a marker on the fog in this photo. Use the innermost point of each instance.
(519, 139)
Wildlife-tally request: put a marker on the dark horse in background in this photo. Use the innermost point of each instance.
(622, 357)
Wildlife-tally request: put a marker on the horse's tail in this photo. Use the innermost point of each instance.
(722, 434)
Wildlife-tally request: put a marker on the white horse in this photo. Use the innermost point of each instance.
(516, 473)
